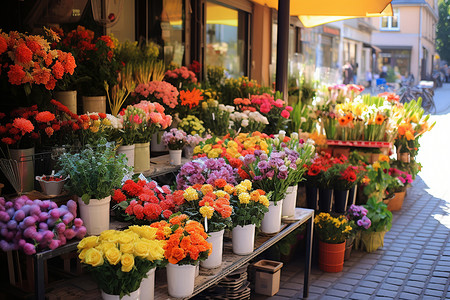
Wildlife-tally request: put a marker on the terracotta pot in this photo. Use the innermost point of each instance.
(396, 202)
(331, 257)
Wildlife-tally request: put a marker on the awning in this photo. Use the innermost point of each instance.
(374, 48)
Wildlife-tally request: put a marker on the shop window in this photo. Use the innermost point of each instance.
(226, 39)
(391, 23)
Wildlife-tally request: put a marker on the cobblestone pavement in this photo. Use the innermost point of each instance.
(415, 260)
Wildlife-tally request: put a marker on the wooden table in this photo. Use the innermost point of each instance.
(161, 165)
(232, 262)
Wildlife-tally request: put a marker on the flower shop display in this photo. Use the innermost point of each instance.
(175, 139)
(205, 170)
(249, 206)
(192, 125)
(94, 174)
(241, 87)
(186, 245)
(119, 260)
(144, 202)
(396, 190)
(357, 218)
(248, 121)
(118, 93)
(189, 102)
(94, 127)
(332, 233)
(181, 78)
(209, 204)
(161, 92)
(216, 117)
(33, 225)
(377, 179)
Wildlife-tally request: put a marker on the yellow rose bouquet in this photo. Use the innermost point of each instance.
(119, 260)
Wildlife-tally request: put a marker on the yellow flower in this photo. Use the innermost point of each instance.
(93, 257)
(207, 211)
(104, 246)
(376, 166)
(244, 198)
(415, 118)
(232, 144)
(206, 188)
(127, 237)
(96, 123)
(156, 250)
(106, 122)
(127, 261)
(88, 242)
(141, 249)
(144, 231)
(82, 254)
(94, 129)
(240, 188)
(167, 231)
(263, 199)
(110, 236)
(214, 153)
(113, 255)
(229, 189)
(197, 149)
(220, 193)
(409, 136)
(207, 148)
(190, 194)
(127, 248)
(247, 183)
(383, 157)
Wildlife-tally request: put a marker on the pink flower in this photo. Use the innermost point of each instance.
(136, 119)
(265, 108)
(285, 114)
(289, 108)
(279, 103)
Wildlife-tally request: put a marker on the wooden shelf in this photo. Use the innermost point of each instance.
(161, 165)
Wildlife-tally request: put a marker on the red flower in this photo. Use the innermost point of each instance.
(49, 131)
(138, 210)
(45, 117)
(152, 211)
(314, 170)
(243, 174)
(24, 125)
(16, 74)
(119, 196)
(3, 45)
(8, 141)
(58, 70)
(85, 118)
(93, 117)
(285, 114)
(167, 213)
(102, 115)
(56, 127)
(23, 54)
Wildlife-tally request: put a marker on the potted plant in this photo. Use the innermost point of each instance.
(175, 139)
(186, 245)
(209, 204)
(52, 184)
(381, 222)
(357, 217)
(396, 190)
(94, 174)
(249, 208)
(120, 267)
(332, 233)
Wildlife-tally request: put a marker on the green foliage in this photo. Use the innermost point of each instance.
(240, 88)
(215, 76)
(379, 215)
(246, 214)
(443, 30)
(378, 180)
(413, 167)
(391, 76)
(94, 173)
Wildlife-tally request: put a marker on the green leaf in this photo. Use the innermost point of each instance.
(86, 198)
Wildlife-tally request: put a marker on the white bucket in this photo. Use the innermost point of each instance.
(175, 157)
(180, 280)
(128, 150)
(95, 215)
(148, 286)
(133, 296)
(215, 259)
(290, 201)
(243, 239)
(272, 219)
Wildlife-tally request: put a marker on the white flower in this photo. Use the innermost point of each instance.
(115, 122)
(294, 136)
(222, 107)
(244, 123)
(229, 108)
(281, 134)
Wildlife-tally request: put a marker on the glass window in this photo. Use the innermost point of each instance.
(226, 39)
(391, 23)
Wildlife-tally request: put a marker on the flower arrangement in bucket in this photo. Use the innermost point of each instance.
(249, 208)
(186, 246)
(119, 260)
(175, 139)
(357, 218)
(332, 233)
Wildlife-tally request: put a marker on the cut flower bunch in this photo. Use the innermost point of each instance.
(332, 230)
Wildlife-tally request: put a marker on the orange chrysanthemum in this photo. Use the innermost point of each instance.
(16, 74)
(23, 54)
(45, 117)
(191, 98)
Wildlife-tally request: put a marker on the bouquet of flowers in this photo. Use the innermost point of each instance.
(192, 125)
(399, 182)
(248, 121)
(249, 205)
(205, 170)
(119, 260)
(209, 204)
(241, 87)
(157, 91)
(143, 202)
(193, 140)
(186, 240)
(330, 229)
(175, 139)
(357, 217)
(95, 126)
(181, 78)
(19, 130)
(378, 179)
(216, 117)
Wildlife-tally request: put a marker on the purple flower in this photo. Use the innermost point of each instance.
(293, 166)
(263, 156)
(282, 175)
(364, 222)
(270, 174)
(257, 178)
(263, 165)
(258, 152)
(197, 179)
(248, 159)
(283, 168)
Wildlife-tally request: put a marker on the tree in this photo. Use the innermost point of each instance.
(443, 30)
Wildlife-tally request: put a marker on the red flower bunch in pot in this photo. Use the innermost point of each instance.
(144, 202)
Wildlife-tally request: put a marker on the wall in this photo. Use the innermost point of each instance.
(124, 28)
(261, 44)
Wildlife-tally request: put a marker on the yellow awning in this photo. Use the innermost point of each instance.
(218, 14)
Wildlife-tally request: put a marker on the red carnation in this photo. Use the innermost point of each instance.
(119, 196)
(45, 117)
(102, 115)
(93, 117)
(167, 213)
(24, 125)
(8, 141)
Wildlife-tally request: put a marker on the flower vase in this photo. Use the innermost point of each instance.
(290, 202)
(156, 142)
(180, 280)
(128, 150)
(215, 259)
(175, 157)
(396, 202)
(142, 157)
(340, 200)
(311, 196)
(68, 99)
(132, 296)
(25, 160)
(243, 239)
(94, 104)
(325, 196)
(95, 215)
(331, 257)
(148, 286)
(188, 151)
(272, 219)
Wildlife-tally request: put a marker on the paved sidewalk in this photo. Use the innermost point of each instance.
(415, 260)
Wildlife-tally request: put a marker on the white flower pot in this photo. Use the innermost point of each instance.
(197, 269)
(290, 201)
(133, 296)
(95, 215)
(148, 286)
(180, 280)
(94, 104)
(67, 98)
(175, 157)
(156, 143)
(272, 219)
(243, 238)
(215, 259)
(128, 150)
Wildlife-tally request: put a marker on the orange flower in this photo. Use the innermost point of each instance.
(220, 183)
(343, 121)
(194, 252)
(186, 243)
(23, 125)
(177, 220)
(349, 117)
(191, 98)
(45, 117)
(409, 135)
(176, 255)
(379, 119)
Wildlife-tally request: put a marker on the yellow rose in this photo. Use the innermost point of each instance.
(156, 250)
(105, 246)
(96, 123)
(190, 194)
(82, 254)
(144, 231)
(207, 148)
(127, 248)
(263, 199)
(127, 261)
(110, 236)
(113, 255)
(88, 242)
(244, 198)
(247, 183)
(141, 249)
(207, 211)
(93, 257)
(128, 237)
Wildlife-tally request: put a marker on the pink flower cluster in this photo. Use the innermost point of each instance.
(160, 91)
(182, 72)
(266, 103)
(154, 113)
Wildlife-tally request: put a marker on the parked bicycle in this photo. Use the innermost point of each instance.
(423, 90)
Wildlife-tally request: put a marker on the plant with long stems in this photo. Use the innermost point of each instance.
(121, 91)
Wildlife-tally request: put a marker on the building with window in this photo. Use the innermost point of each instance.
(407, 39)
